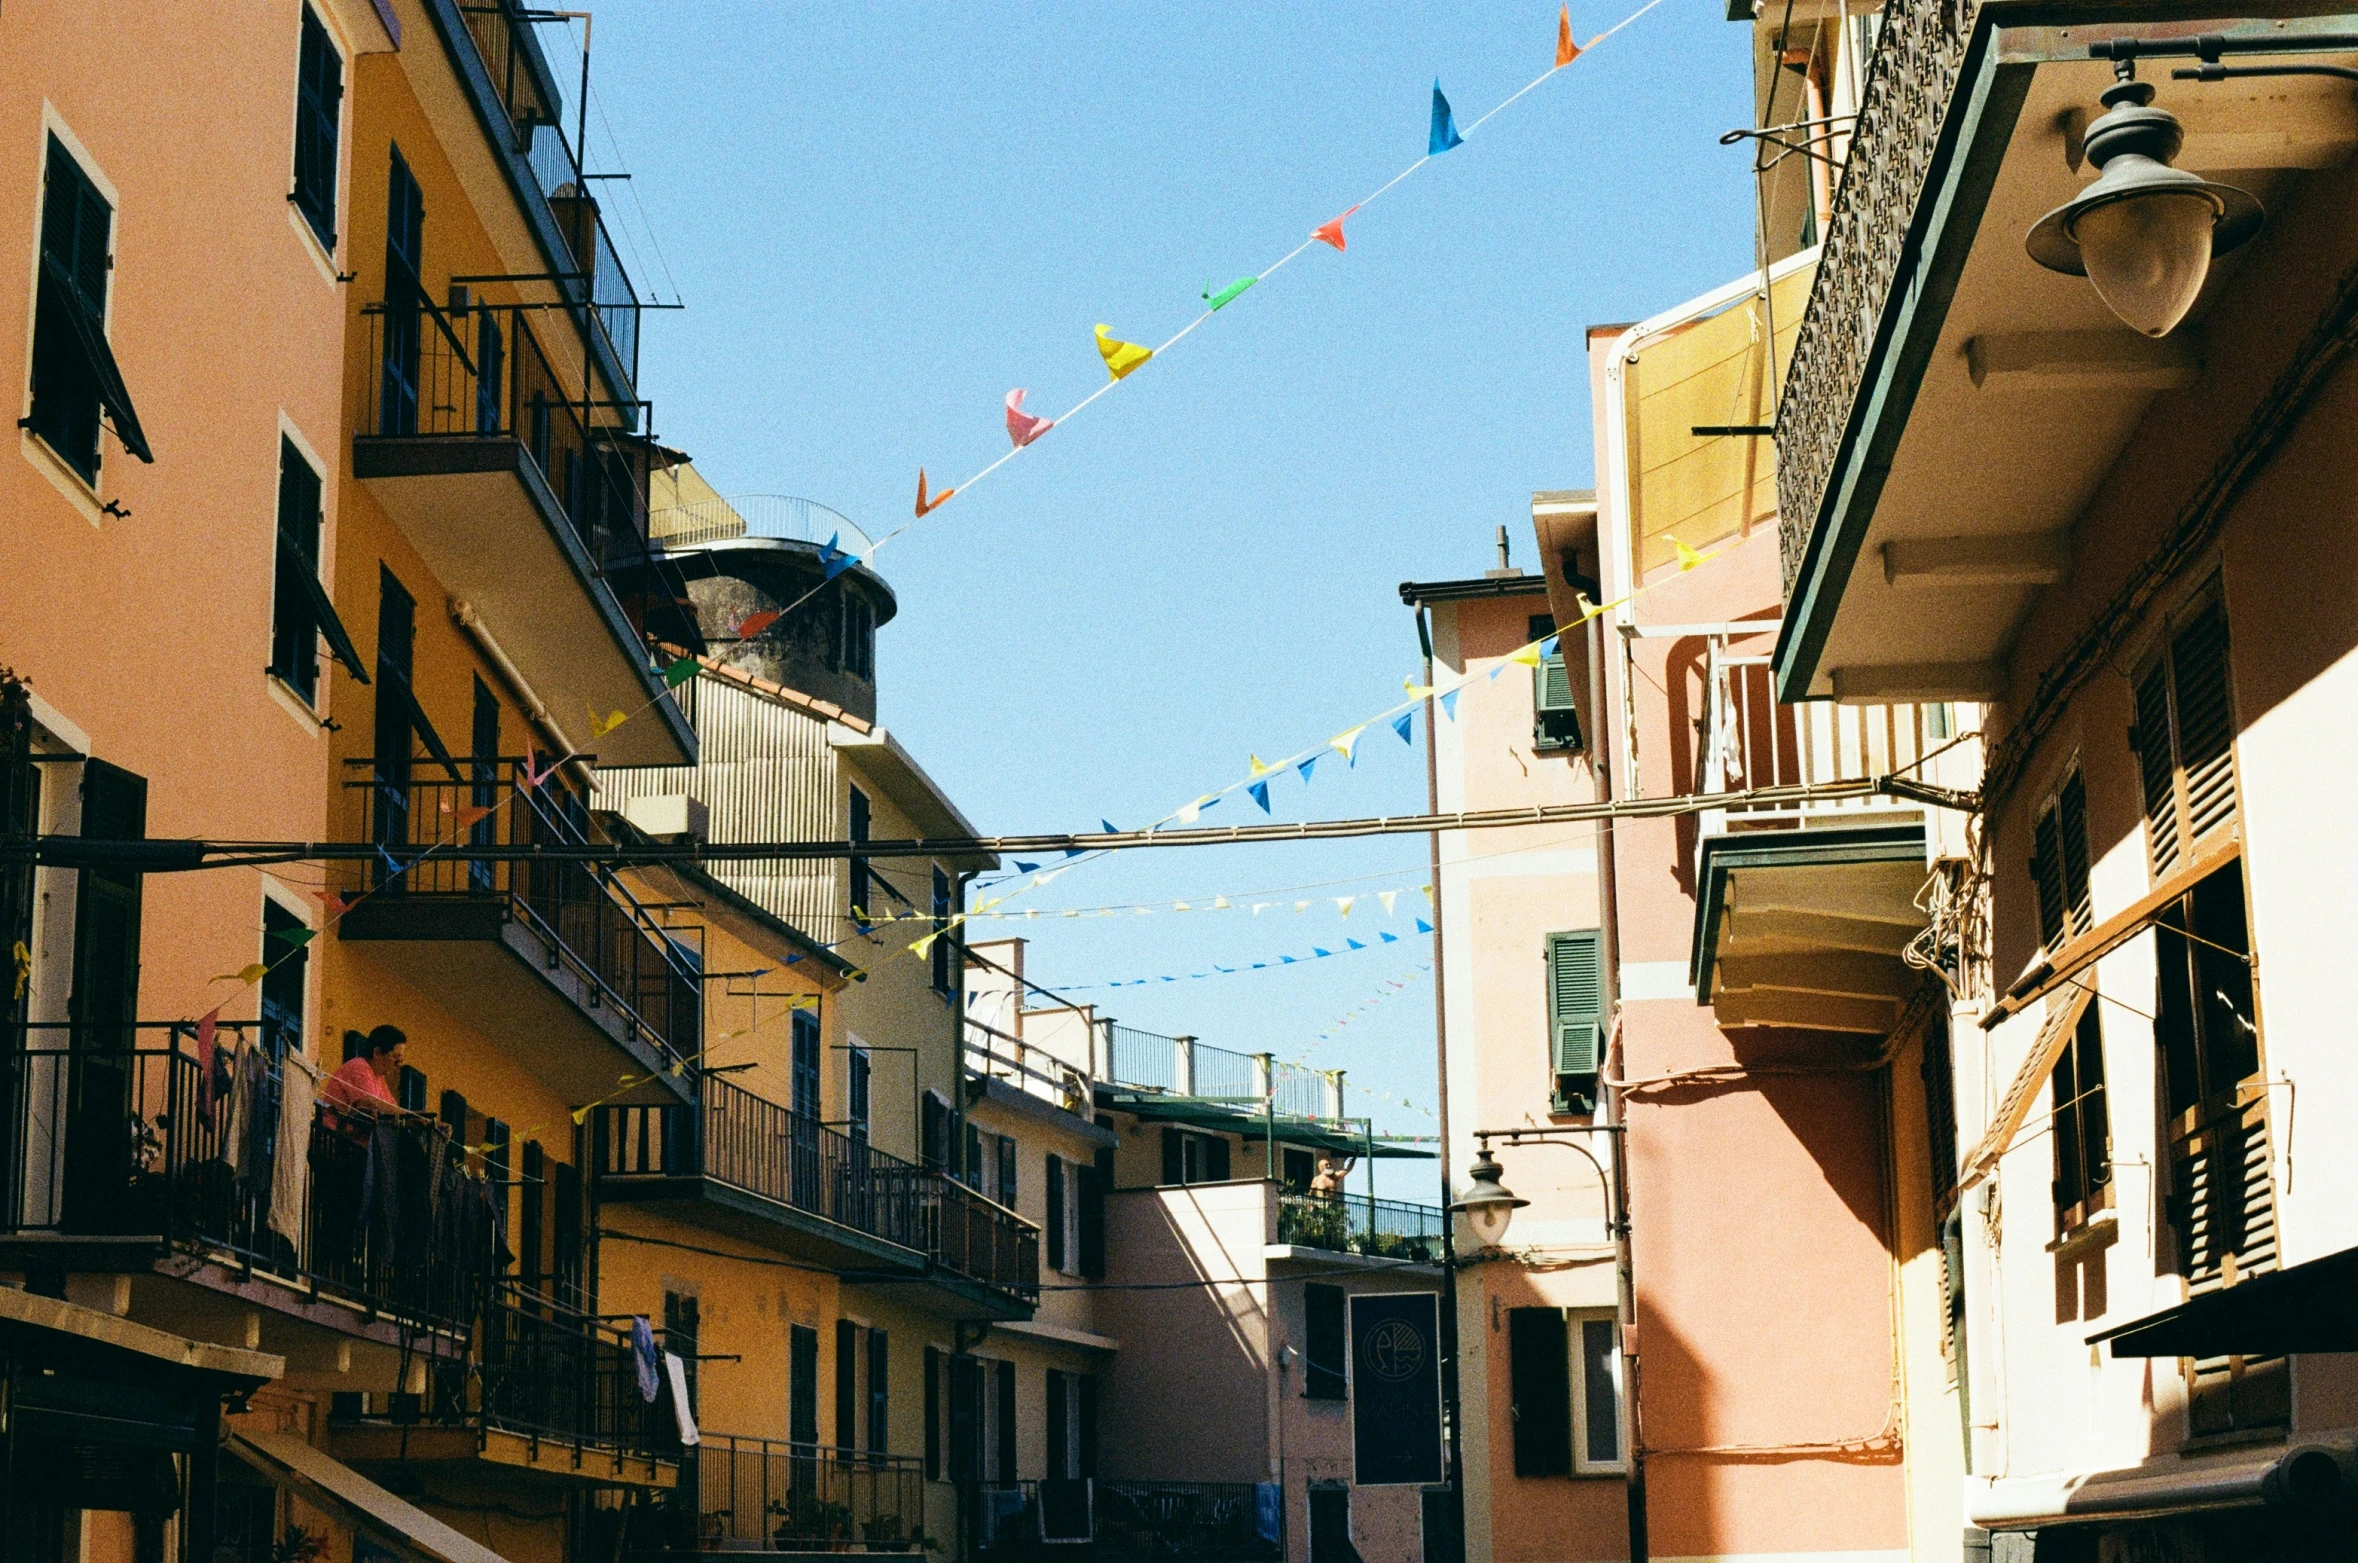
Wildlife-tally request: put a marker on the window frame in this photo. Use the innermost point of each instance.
(72, 315)
(2083, 1159)
(859, 816)
(1560, 1101)
(1584, 1460)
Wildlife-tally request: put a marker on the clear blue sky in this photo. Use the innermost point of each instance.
(882, 217)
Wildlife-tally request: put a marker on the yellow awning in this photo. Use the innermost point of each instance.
(409, 1531)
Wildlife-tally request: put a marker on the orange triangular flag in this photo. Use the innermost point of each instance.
(754, 623)
(925, 506)
(471, 814)
(335, 904)
(1566, 50)
(1331, 232)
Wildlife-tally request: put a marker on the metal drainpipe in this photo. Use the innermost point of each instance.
(1452, 1399)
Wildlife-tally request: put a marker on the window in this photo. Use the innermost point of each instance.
(1004, 1185)
(319, 103)
(802, 1384)
(483, 768)
(972, 1177)
(935, 1126)
(2083, 1130)
(1194, 1158)
(1324, 1343)
(1052, 1224)
(1555, 719)
(285, 951)
(1565, 1377)
(2185, 737)
(933, 1413)
(879, 1389)
(1072, 1425)
(1576, 1017)
(1299, 1168)
(1002, 1464)
(1089, 1214)
(858, 831)
(76, 382)
(859, 637)
(405, 298)
(847, 1385)
(856, 1069)
(806, 1063)
(681, 1325)
(1330, 1524)
(944, 948)
(300, 609)
(2059, 862)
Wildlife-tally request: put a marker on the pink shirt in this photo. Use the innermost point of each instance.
(356, 1085)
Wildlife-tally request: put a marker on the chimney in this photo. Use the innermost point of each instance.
(1505, 569)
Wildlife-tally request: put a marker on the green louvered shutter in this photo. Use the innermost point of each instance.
(1555, 721)
(1576, 1015)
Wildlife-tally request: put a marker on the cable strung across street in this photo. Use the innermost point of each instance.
(182, 856)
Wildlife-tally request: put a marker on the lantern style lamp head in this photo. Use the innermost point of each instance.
(1488, 1204)
(2144, 233)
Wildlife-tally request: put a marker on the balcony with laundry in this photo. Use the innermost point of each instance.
(197, 1176)
(552, 957)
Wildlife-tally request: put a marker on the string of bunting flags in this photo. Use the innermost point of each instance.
(1316, 953)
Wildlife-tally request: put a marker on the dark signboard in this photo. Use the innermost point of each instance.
(1396, 1388)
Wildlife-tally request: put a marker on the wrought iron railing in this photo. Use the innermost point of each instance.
(502, 34)
(1148, 1060)
(1036, 1071)
(178, 1132)
(541, 1371)
(1214, 1522)
(735, 1137)
(1362, 1224)
(764, 1494)
(980, 1240)
(633, 966)
(1911, 79)
(479, 369)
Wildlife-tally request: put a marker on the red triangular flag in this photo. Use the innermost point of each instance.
(925, 506)
(1566, 50)
(754, 623)
(336, 905)
(1331, 232)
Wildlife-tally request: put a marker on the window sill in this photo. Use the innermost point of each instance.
(321, 256)
(62, 475)
(2097, 1230)
(292, 702)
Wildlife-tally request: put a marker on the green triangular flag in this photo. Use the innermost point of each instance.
(679, 672)
(298, 937)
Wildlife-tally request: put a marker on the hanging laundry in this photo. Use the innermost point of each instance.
(290, 1180)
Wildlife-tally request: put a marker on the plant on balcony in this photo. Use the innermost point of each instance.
(887, 1533)
(300, 1546)
(806, 1517)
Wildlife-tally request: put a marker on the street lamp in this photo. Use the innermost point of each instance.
(2144, 233)
(1488, 1204)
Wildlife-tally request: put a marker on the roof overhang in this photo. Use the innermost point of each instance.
(2309, 1307)
(1996, 397)
(1804, 928)
(1418, 594)
(879, 757)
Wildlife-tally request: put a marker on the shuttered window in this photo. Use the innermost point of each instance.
(857, 830)
(2185, 738)
(2083, 1128)
(802, 1384)
(933, 1413)
(847, 1384)
(1555, 720)
(1053, 1221)
(76, 382)
(319, 104)
(1323, 1342)
(1094, 1181)
(1540, 1375)
(2059, 863)
(1576, 1016)
(879, 1389)
(944, 948)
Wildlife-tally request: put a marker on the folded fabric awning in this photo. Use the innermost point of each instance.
(2312, 1306)
(410, 1532)
(2054, 1035)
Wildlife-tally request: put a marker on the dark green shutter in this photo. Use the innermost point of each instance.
(319, 100)
(933, 1413)
(847, 1384)
(1055, 1217)
(1539, 1373)
(1094, 1181)
(1324, 1342)
(1004, 1372)
(1555, 719)
(1576, 1000)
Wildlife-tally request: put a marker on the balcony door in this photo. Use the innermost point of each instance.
(104, 1126)
(806, 1109)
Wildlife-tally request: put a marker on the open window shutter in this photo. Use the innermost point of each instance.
(1055, 1215)
(847, 1384)
(2071, 814)
(1540, 1375)
(1088, 1440)
(1059, 1433)
(1324, 1343)
(1093, 1181)
(965, 1418)
(933, 1413)
(2047, 876)
(2206, 723)
(1555, 720)
(1576, 1000)
(2156, 770)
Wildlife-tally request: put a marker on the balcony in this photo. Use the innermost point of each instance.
(500, 60)
(1362, 1224)
(554, 961)
(155, 1155)
(1953, 408)
(541, 1388)
(738, 1164)
(520, 494)
(767, 1495)
(985, 1259)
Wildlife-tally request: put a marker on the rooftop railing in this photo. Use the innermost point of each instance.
(634, 967)
(755, 515)
(180, 1133)
(1150, 1061)
(1362, 1224)
(479, 369)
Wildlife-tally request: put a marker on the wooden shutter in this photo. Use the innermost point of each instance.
(1059, 1429)
(933, 1413)
(2059, 863)
(1088, 1440)
(1055, 1215)
(1093, 1184)
(879, 1388)
(1555, 720)
(1576, 1000)
(1324, 1342)
(1006, 1423)
(802, 1384)
(1539, 1373)
(319, 100)
(2185, 739)
(847, 1384)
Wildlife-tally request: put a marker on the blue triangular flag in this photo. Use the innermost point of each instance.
(1423, 927)
(1170, 979)
(1315, 950)
(1400, 725)
(1449, 705)
(1355, 944)
(1260, 792)
(1547, 647)
(1445, 133)
(1260, 965)
(1216, 966)
(833, 560)
(1286, 960)
(1072, 851)
(1109, 827)
(1304, 767)
(1022, 867)
(1389, 938)
(791, 959)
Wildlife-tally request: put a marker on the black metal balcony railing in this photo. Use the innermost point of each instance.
(1142, 1522)
(173, 1133)
(479, 369)
(1911, 79)
(540, 1371)
(634, 967)
(761, 1494)
(735, 1137)
(1362, 1224)
(520, 76)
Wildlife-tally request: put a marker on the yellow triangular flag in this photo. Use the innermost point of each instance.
(1416, 691)
(1346, 742)
(600, 726)
(1260, 768)
(1387, 897)
(246, 974)
(1219, 903)
(1344, 903)
(1687, 557)
(1528, 656)
(1120, 357)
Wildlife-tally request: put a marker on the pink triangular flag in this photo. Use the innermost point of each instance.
(1022, 427)
(1332, 232)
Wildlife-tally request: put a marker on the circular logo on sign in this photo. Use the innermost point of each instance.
(1395, 1351)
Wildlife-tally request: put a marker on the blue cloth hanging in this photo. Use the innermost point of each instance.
(642, 1355)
